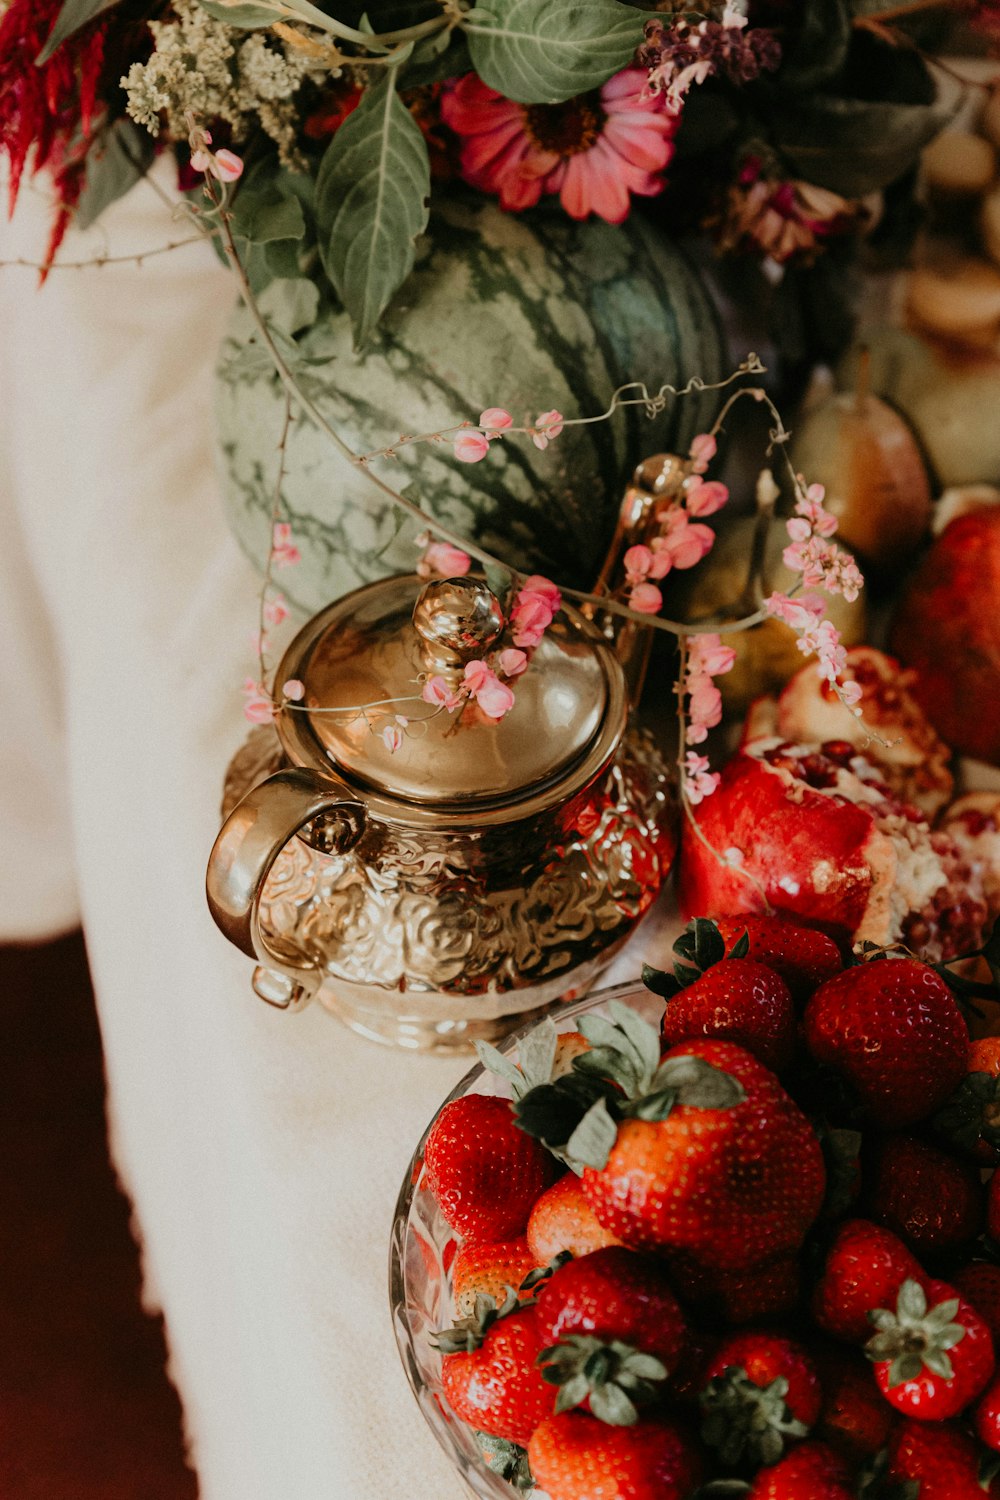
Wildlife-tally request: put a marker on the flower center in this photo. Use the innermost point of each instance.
(565, 128)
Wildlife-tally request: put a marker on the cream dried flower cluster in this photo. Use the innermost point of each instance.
(203, 68)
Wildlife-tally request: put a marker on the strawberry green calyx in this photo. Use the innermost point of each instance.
(616, 1378)
(915, 1337)
(741, 1419)
(875, 1483)
(620, 1077)
(972, 1113)
(467, 1334)
(536, 1055)
(699, 947)
(507, 1459)
(542, 1274)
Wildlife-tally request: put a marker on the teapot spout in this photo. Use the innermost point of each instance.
(656, 481)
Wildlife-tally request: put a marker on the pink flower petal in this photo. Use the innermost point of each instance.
(470, 447)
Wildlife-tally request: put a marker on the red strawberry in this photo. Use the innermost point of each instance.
(893, 1028)
(739, 1001)
(490, 1375)
(865, 1267)
(802, 956)
(484, 1172)
(575, 1457)
(979, 1283)
(489, 1268)
(812, 1471)
(929, 1199)
(614, 1294)
(986, 1416)
(765, 1290)
(734, 1183)
(933, 1354)
(943, 1460)
(761, 1392)
(854, 1418)
(563, 1219)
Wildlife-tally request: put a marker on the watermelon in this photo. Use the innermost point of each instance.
(529, 312)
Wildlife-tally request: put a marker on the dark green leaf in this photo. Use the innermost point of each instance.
(610, 1404)
(652, 1107)
(123, 155)
(73, 15)
(544, 51)
(854, 146)
(371, 203)
(701, 944)
(499, 580)
(507, 1460)
(659, 981)
(444, 55)
(819, 50)
(266, 214)
(741, 947)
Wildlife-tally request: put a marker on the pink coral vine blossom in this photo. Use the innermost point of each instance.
(438, 691)
(493, 696)
(646, 599)
(258, 707)
(494, 421)
(594, 150)
(443, 559)
(701, 452)
(284, 553)
(548, 425)
(699, 781)
(470, 446)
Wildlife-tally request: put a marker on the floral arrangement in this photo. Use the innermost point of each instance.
(315, 139)
(747, 119)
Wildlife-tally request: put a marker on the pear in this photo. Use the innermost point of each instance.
(865, 455)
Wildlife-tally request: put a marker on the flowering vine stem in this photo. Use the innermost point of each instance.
(136, 258)
(217, 196)
(683, 780)
(279, 481)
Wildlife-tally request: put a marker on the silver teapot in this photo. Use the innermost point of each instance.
(478, 872)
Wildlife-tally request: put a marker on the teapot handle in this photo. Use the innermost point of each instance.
(249, 842)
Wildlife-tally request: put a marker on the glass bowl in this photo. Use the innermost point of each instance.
(423, 1246)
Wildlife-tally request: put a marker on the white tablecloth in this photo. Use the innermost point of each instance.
(263, 1152)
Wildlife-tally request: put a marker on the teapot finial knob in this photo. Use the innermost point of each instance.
(661, 475)
(457, 619)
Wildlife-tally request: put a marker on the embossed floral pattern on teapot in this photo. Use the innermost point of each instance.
(447, 887)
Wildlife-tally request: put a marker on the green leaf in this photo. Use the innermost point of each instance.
(659, 981)
(644, 1039)
(443, 55)
(698, 1084)
(820, 47)
(495, 1062)
(610, 1404)
(701, 943)
(537, 1054)
(854, 146)
(371, 203)
(545, 51)
(266, 214)
(74, 15)
(593, 1138)
(123, 156)
(246, 17)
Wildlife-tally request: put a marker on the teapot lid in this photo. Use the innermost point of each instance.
(365, 659)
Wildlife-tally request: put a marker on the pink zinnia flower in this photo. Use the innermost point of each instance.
(593, 150)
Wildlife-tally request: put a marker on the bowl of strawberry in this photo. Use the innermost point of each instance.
(731, 1232)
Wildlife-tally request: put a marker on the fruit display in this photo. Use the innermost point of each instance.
(947, 627)
(766, 1265)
